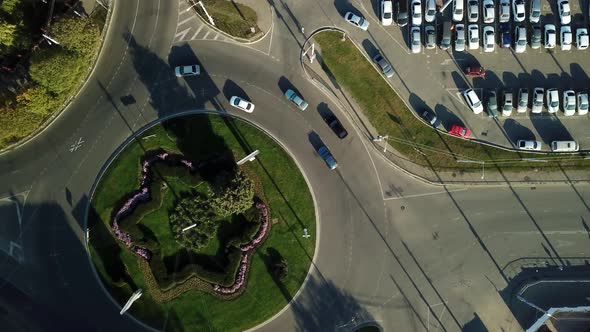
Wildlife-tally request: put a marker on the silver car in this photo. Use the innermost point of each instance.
(528, 145)
(384, 65)
(357, 21)
(538, 95)
(536, 36)
(582, 103)
(460, 37)
(430, 10)
(489, 10)
(415, 40)
(569, 102)
(489, 39)
(430, 36)
(473, 32)
(504, 11)
(552, 100)
(520, 39)
(523, 100)
(296, 99)
(472, 11)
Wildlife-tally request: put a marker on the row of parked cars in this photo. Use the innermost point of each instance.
(572, 102)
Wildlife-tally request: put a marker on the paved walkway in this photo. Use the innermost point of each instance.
(486, 174)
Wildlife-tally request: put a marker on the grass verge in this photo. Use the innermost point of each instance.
(285, 191)
(389, 115)
(231, 17)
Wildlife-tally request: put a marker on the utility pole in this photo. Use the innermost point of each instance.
(380, 138)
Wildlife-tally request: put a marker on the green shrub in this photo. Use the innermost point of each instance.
(75, 34)
(56, 69)
(232, 196)
(38, 100)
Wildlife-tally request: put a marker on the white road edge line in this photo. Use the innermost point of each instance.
(426, 194)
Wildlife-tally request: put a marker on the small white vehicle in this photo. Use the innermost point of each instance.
(566, 38)
(489, 39)
(552, 100)
(473, 36)
(489, 11)
(583, 104)
(569, 102)
(528, 145)
(538, 95)
(188, 70)
(473, 101)
(582, 40)
(386, 12)
(241, 104)
(563, 8)
(357, 21)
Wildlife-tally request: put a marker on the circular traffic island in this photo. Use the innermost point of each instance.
(212, 245)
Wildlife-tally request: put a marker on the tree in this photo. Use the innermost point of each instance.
(37, 100)
(9, 6)
(233, 196)
(192, 211)
(8, 33)
(76, 34)
(56, 69)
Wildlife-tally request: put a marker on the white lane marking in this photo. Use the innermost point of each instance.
(198, 30)
(426, 194)
(185, 20)
(207, 34)
(216, 36)
(182, 34)
(548, 233)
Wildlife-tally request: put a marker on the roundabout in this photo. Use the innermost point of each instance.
(209, 243)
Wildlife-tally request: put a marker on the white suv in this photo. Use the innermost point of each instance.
(386, 12)
(489, 11)
(473, 101)
(518, 10)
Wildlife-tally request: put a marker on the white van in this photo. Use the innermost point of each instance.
(564, 146)
(458, 6)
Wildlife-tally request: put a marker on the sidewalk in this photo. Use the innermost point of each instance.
(487, 173)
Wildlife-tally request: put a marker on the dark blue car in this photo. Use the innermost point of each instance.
(327, 156)
(505, 33)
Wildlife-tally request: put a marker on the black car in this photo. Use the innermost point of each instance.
(401, 8)
(336, 126)
(430, 117)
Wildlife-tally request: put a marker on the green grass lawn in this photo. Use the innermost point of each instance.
(231, 17)
(285, 191)
(390, 116)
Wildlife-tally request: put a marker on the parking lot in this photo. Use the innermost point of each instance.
(434, 78)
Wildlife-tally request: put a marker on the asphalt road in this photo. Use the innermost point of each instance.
(391, 249)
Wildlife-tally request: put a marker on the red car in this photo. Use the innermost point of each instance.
(475, 71)
(460, 131)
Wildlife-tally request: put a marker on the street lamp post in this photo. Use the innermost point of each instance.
(380, 138)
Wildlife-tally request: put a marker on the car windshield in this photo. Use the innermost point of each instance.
(507, 107)
(522, 102)
(477, 104)
(387, 15)
(554, 103)
(459, 11)
(431, 12)
(583, 106)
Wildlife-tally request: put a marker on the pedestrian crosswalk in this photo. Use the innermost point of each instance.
(190, 27)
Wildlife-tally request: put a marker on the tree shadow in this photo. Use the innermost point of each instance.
(516, 131)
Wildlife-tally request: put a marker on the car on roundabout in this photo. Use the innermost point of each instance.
(187, 70)
(357, 21)
(327, 156)
(296, 99)
(241, 104)
(385, 66)
(336, 126)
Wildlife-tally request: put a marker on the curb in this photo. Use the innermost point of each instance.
(46, 124)
(237, 39)
(331, 94)
(140, 131)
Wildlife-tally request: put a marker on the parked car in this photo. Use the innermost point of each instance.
(536, 36)
(476, 71)
(528, 145)
(460, 37)
(415, 40)
(538, 95)
(518, 10)
(386, 12)
(583, 105)
(507, 106)
(564, 146)
(384, 65)
(582, 40)
(489, 11)
(401, 9)
(430, 117)
(416, 12)
(188, 70)
(492, 105)
(569, 102)
(523, 100)
(552, 100)
(336, 126)
(445, 41)
(472, 11)
(458, 10)
(460, 131)
(535, 13)
(296, 99)
(504, 11)
(563, 8)
(327, 156)
(241, 104)
(505, 37)
(489, 40)
(520, 39)
(430, 10)
(357, 21)
(473, 36)
(430, 36)
(566, 38)
(473, 101)
(550, 36)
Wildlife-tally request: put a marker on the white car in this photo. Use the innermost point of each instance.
(460, 37)
(189, 70)
(357, 21)
(538, 95)
(507, 106)
(472, 11)
(523, 100)
(550, 36)
(582, 40)
(473, 101)
(569, 102)
(535, 13)
(489, 39)
(520, 39)
(582, 103)
(565, 15)
(566, 38)
(552, 100)
(241, 104)
(489, 11)
(458, 10)
(415, 40)
(528, 145)
(416, 12)
(473, 36)
(504, 11)
(386, 12)
(518, 10)
(430, 10)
